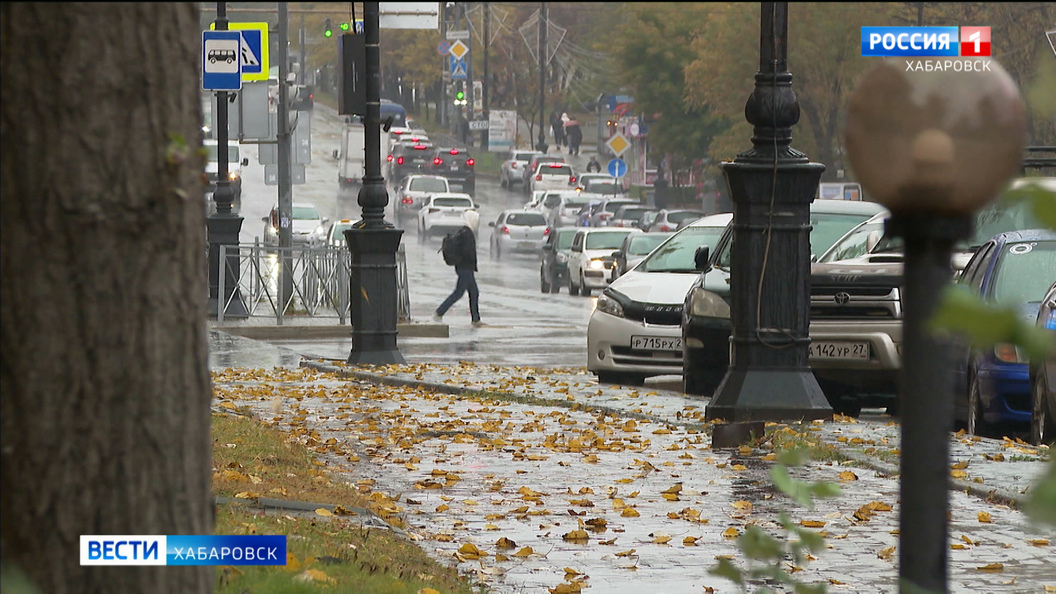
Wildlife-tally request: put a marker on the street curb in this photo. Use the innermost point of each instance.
(266, 503)
(302, 332)
(986, 493)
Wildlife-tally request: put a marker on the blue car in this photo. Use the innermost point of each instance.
(1043, 379)
(992, 386)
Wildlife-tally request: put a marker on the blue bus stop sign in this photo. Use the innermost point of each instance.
(221, 60)
(617, 168)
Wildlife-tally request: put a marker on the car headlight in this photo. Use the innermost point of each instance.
(596, 264)
(562, 258)
(233, 175)
(705, 304)
(610, 306)
(1009, 353)
(272, 230)
(320, 231)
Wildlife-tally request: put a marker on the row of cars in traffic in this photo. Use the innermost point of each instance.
(670, 314)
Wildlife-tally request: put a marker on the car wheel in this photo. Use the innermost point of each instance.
(555, 286)
(504, 183)
(544, 286)
(422, 235)
(976, 424)
(1041, 422)
(584, 290)
(572, 289)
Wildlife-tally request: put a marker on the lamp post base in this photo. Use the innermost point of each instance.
(223, 230)
(374, 295)
(747, 395)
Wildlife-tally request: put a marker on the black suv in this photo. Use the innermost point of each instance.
(456, 165)
(553, 270)
(409, 158)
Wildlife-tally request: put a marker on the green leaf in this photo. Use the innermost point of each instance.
(793, 457)
(727, 570)
(798, 490)
(1041, 507)
(985, 325)
(1041, 201)
(757, 544)
(811, 588)
(814, 541)
(824, 489)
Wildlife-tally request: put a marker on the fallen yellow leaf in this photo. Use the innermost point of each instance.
(847, 475)
(985, 517)
(958, 474)
(690, 541)
(1039, 542)
(885, 554)
(577, 536)
(625, 553)
(524, 552)
(730, 532)
(742, 505)
(992, 567)
(322, 511)
(630, 512)
(812, 524)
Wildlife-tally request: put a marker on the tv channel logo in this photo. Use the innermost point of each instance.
(934, 42)
(256, 549)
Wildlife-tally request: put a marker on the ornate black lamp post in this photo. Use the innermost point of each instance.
(223, 226)
(373, 241)
(772, 185)
(933, 147)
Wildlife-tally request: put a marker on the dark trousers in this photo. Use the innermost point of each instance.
(467, 281)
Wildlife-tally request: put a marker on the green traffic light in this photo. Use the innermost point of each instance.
(345, 26)
(328, 33)
(460, 95)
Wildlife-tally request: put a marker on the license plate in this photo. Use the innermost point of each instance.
(656, 343)
(454, 168)
(853, 351)
(527, 244)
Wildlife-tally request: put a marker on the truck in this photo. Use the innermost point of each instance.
(352, 154)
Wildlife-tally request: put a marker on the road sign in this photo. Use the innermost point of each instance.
(221, 62)
(458, 50)
(443, 47)
(453, 34)
(618, 144)
(478, 125)
(458, 67)
(617, 168)
(254, 49)
(409, 15)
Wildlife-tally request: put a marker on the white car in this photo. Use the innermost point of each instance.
(553, 176)
(536, 201)
(586, 178)
(414, 190)
(561, 209)
(518, 231)
(442, 213)
(335, 235)
(308, 226)
(512, 171)
(636, 330)
(590, 261)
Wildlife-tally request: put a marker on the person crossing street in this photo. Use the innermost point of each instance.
(464, 259)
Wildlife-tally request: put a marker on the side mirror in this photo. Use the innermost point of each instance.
(577, 248)
(491, 224)
(325, 220)
(337, 154)
(245, 161)
(476, 206)
(813, 258)
(615, 254)
(264, 219)
(701, 258)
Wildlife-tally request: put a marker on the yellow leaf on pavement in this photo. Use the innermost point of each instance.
(985, 517)
(812, 524)
(847, 475)
(322, 511)
(885, 554)
(661, 538)
(992, 567)
(731, 532)
(958, 474)
(630, 512)
(524, 552)
(1039, 542)
(576, 536)
(742, 505)
(625, 553)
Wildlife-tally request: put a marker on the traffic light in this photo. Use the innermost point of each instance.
(460, 96)
(328, 30)
(346, 27)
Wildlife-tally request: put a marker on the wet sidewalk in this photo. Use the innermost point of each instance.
(538, 479)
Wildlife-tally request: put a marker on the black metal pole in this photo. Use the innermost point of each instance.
(223, 227)
(769, 377)
(373, 241)
(486, 81)
(926, 401)
(542, 76)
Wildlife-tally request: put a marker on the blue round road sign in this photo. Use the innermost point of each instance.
(443, 47)
(617, 168)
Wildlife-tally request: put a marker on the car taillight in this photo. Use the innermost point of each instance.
(513, 166)
(399, 161)
(408, 200)
(664, 228)
(470, 162)
(619, 223)
(453, 151)
(539, 177)
(571, 179)
(546, 231)
(604, 215)
(438, 161)
(390, 158)
(505, 230)
(310, 95)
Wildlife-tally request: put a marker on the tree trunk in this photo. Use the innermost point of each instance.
(105, 395)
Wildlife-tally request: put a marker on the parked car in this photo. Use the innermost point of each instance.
(706, 311)
(552, 176)
(517, 231)
(512, 170)
(308, 226)
(533, 164)
(414, 190)
(635, 248)
(409, 157)
(553, 269)
(562, 208)
(335, 233)
(1043, 379)
(606, 208)
(442, 213)
(590, 265)
(634, 332)
(628, 215)
(992, 386)
(456, 165)
(669, 220)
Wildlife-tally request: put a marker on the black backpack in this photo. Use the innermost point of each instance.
(449, 248)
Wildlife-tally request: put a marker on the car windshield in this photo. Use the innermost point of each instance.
(612, 206)
(529, 219)
(603, 187)
(576, 202)
(305, 213)
(633, 213)
(214, 153)
(564, 239)
(428, 184)
(643, 244)
(339, 231)
(1001, 217)
(1024, 272)
(827, 228)
(684, 215)
(679, 252)
(608, 240)
(522, 156)
(463, 202)
(855, 244)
